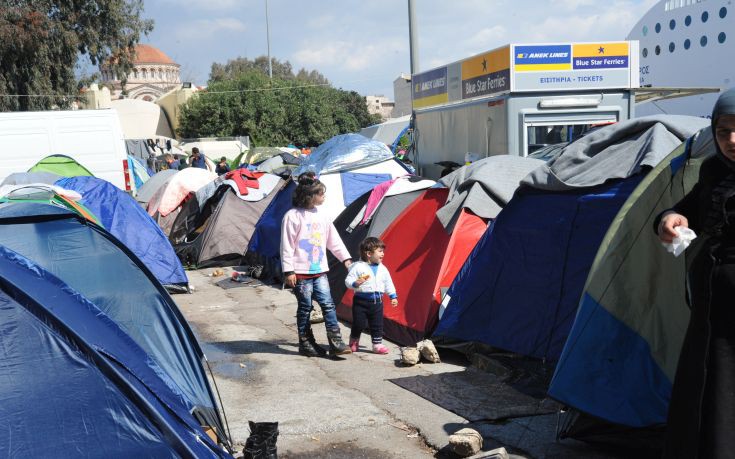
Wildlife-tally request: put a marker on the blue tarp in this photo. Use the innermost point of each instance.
(72, 377)
(520, 288)
(355, 184)
(122, 216)
(94, 263)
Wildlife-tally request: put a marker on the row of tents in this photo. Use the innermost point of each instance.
(548, 260)
(541, 259)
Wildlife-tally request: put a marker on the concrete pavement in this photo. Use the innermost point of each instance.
(332, 408)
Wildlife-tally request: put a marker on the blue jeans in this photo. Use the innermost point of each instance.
(318, 288)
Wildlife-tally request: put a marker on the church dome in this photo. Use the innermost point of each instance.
(147, 54)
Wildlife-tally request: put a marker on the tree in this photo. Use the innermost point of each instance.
(42, 41)
(235, 67)
(301, 109)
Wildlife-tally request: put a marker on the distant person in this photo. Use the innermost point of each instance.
(222, 167)
(182, 162)
(306, 235)
(370, 279)
(197, 159)
(171, 163)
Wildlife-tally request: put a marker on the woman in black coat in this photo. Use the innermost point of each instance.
(701, 422)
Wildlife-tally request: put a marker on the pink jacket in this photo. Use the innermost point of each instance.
(306, 235)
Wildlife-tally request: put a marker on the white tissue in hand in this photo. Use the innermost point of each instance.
(684, 237)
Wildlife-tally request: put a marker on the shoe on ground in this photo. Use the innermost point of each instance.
(379, 349)
(354, 344)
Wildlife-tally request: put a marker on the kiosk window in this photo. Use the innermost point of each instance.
(539, 136)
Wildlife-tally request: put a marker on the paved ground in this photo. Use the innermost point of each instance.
(327, 408)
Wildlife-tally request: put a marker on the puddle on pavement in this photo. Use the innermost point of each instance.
(227, 365)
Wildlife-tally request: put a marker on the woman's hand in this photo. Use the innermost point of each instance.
(347, 263)
(667, 224)
(291, 281)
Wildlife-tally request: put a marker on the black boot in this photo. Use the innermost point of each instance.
(336, 345)
(261, 444)
(319, 350)
(306, 348)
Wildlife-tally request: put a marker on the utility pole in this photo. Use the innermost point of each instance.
(413, 39)
(413, 44)
(268, 38)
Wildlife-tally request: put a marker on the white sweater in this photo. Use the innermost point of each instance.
(377, 282)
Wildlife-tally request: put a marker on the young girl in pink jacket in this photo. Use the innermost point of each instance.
(306, 235)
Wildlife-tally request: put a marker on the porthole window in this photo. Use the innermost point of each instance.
(688, 21)
(703, 41)
(645, 52)
(687, 43)
(705, 16)
(657, 50)
(672, 47)
(645, 30)
(672, 24)
(721, 37)
(723, 12)
(658, 27)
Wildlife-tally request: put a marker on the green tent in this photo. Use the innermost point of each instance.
(619, 361)
(62, 165)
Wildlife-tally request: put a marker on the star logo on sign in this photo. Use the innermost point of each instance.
(484, 65)
(601, 50)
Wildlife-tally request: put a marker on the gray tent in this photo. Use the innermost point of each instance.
(26, 178)
(217, 232)
(149, 188)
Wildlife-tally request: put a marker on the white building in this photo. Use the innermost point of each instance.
(154, 74)
(379, 105)
(402, 96)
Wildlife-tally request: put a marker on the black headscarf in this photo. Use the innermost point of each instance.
(725, 105)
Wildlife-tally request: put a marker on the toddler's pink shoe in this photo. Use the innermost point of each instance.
(354, 344)
(379, 349)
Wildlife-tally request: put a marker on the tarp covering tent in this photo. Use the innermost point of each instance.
(520, 287)
(405, 220)
(350, 165)
(621, 356)
(389, 132)
(72, 377)
(94, 263)
(215, 229)
(25, 178)
(62, 165)
(149, 188)
(128, 222)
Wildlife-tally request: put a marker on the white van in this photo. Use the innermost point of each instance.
(93, 138)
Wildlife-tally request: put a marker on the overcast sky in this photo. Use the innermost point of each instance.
(363, 45)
